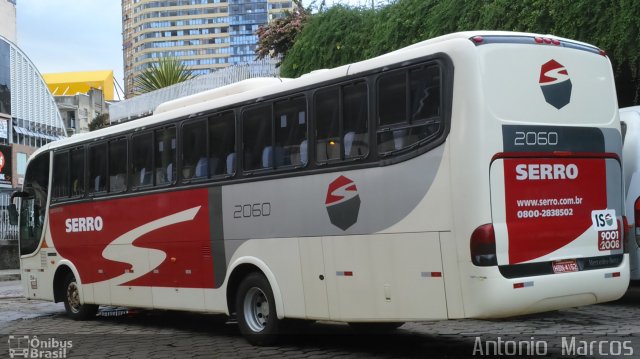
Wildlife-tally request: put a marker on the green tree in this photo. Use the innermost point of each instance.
(330, 38)
(342, 35)
(166, 72)
(278, 36)
(100, 121)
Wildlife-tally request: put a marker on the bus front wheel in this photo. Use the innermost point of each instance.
(256, 311)
(72, 304)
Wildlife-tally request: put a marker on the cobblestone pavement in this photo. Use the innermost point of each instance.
(597, 331)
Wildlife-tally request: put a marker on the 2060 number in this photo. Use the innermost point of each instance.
(536, 138)
(252, 210)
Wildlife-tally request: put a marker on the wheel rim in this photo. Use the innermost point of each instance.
(256, 309)
(73, 297)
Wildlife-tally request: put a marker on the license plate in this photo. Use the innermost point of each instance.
(565, 266)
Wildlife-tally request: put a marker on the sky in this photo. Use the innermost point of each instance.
(80, 35)
(71, 35)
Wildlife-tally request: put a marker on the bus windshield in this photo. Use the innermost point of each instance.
(33, 207)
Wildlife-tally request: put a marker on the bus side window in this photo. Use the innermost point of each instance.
(141, 160)
(77, 172)
(425, 103)
(195, 163)
(98, 168)
(290, 130)
(165, 156)
(327, 119)
(256, 136)
(118, 165)
(406, 118)
(222, 144)
(355, 117)
(60, 188)
(392, 110)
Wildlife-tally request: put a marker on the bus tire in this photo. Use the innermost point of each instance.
(375, 328)
(256, 311)
(72, 305)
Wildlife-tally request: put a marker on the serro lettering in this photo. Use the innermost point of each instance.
(546, 171)
(84, 224)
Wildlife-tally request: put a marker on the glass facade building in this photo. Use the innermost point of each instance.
(205, 34)
(29, 117)
(26, 101)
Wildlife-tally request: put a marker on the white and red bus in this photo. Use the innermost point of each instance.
(474, 175)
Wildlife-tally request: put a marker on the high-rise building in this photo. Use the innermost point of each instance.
(8, 19)
(205, 34)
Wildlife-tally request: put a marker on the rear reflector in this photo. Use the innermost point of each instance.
(431, 274)
(627, 232)
(612, 275)
(483, 246)
(522, 285)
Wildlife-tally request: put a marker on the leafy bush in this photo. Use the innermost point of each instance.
(341, 35)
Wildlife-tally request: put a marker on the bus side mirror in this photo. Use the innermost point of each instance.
(13, 214)
(12, 209)
(18, 194)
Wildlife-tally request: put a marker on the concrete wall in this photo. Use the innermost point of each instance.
(9, 257)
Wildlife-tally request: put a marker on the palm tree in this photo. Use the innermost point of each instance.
(166, 72)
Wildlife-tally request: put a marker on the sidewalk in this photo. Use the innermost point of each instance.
(9, 274)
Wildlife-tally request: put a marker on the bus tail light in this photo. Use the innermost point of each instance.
(483, 246)
(627, 233)
(636, 217)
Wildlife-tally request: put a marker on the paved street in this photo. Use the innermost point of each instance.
(160, 334)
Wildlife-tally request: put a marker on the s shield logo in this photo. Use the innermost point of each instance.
(555, 84)
(608, 219)
(343, 203)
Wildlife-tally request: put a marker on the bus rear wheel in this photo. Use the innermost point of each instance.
(256, 311)
(72, 304)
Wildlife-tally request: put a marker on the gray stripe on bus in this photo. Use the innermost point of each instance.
(613, 144)
(216, 236)
(612, 140)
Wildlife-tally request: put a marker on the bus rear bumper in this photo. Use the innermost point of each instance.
(493, 296)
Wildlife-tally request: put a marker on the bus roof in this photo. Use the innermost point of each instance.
(244, 91)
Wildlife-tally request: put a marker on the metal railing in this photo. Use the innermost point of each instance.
(145, 104)
(7, 230)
